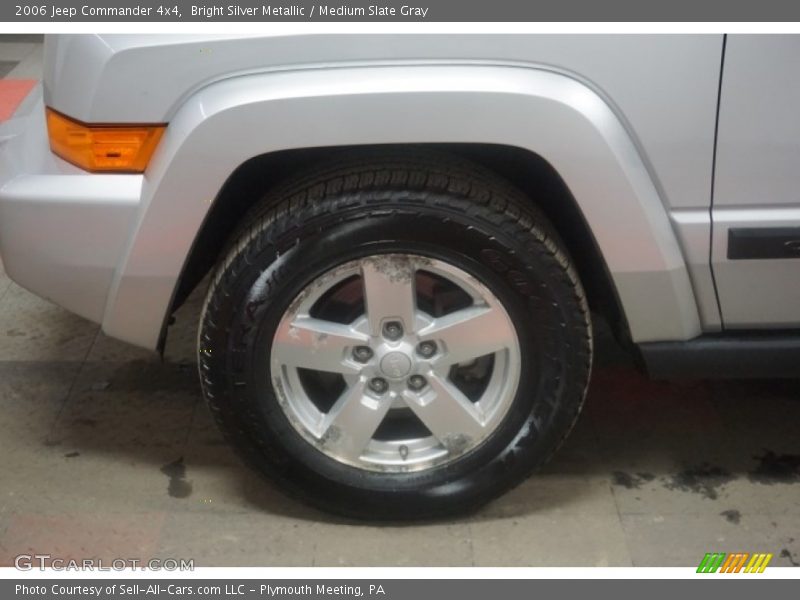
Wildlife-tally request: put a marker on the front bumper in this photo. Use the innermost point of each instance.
(62, 230)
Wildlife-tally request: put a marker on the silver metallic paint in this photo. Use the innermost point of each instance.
(626, 120)
(552, 115)
(758, 177)
(62, 231)
(663, 87)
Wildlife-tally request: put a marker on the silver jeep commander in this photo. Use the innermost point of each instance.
(406, 233)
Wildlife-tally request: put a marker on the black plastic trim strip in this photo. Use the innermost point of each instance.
(763, 242)
(729, 356)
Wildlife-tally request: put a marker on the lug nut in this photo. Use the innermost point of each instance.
(362, 353)
(378, 385)
(417, 382)
(393, 330)
(426, 349)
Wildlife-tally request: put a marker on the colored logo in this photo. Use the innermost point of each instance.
(737, 562)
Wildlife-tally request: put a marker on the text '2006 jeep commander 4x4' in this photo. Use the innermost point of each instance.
(405, 233)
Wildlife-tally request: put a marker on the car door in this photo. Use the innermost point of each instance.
(756, 204)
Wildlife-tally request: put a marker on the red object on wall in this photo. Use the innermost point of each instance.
(12, 93)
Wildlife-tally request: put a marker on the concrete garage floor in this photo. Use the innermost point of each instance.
(108, 451)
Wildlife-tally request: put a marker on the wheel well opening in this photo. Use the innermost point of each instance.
(526, 170)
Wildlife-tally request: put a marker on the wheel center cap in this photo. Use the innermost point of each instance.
(396, 365)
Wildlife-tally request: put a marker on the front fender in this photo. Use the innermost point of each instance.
(550, 114)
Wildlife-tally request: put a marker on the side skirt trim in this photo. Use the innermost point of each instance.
(730, 355)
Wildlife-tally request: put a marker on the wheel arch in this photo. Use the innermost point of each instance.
(524, 169)
(548, 128)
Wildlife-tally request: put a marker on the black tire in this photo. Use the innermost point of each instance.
(365, 204)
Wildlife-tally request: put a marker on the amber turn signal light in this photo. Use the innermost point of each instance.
(103, 148)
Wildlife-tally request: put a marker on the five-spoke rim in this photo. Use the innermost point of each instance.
(395, 363)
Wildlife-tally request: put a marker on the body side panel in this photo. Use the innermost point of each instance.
(663, 87)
